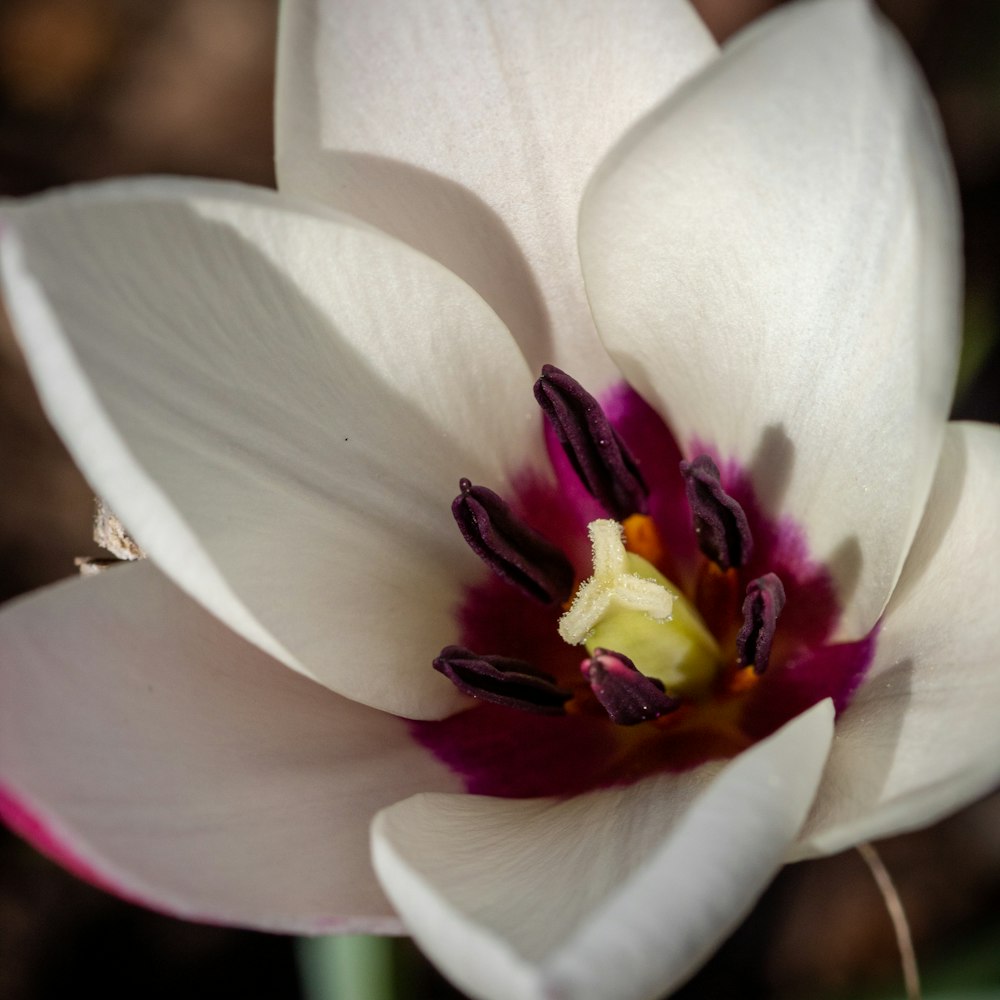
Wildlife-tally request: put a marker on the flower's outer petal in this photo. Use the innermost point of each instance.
(615, 895)
(469, 130)
(773, 258)
(921, 737)
(278, 405)
(150, 749)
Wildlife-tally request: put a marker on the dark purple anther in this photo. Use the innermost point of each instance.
(511, 548)
(628, 696)
(599, 457)
(502, 681)
(764, 601)
(719, 522)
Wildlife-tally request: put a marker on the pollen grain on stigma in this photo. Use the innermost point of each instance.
(696, 626)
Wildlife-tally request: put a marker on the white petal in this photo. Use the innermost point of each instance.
(773, 260)
(469, 130)
(278, 405)
(616, 895)
(921, 738)
(158, 753)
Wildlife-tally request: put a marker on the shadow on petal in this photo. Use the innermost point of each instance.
(771, 473)
(862, 759)
(449, 223)
(771, 467)
(845, 564)
(943, 505)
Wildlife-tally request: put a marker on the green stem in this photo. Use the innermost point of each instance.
(347, 967)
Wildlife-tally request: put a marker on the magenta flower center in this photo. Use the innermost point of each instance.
(693, 623)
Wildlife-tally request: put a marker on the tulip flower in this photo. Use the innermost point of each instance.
(671, 334)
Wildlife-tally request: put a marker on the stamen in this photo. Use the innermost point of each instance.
(598, 455)
(502, 681)
(628, 696)
(612, 585)
(764, 601)
(719, 521)
(511, 548)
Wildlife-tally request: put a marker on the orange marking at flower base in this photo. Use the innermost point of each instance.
(642, 538)
(742, 681)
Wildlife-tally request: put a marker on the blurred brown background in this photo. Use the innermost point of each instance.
(98, 88)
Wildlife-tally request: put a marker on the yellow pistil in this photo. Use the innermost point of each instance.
(628, 606)
(614, 587)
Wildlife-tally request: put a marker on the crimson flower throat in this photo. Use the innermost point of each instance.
(642, 615)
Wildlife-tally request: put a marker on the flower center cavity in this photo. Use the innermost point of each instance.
(643, 614)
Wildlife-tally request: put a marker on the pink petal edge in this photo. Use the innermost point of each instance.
(27, 823)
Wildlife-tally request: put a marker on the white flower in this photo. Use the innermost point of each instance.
(279, 399)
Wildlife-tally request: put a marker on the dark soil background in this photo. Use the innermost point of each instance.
(98, 88)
